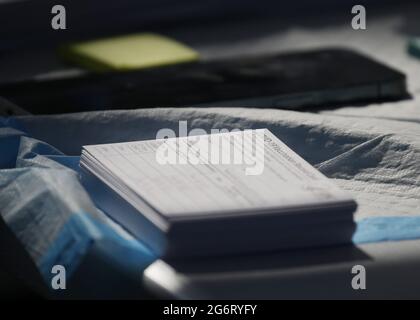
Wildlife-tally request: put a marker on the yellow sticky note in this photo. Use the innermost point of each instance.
(128, 52)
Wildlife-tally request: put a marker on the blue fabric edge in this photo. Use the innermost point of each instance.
(82, 233)
(392, 228)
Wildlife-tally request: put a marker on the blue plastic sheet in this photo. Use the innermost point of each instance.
(46, 207)
(379, 229)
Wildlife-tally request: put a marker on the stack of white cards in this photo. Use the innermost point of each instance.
(226, 193)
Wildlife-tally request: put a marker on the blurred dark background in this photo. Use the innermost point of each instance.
(28, 43)
(27, 23)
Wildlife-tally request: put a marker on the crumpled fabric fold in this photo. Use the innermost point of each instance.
(374, 159)
(44, 204)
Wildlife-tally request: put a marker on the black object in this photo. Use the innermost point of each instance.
(291, 80)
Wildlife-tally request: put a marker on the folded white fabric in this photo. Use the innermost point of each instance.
(375, 159)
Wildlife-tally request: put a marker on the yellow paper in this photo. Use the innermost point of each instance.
(134, 51)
